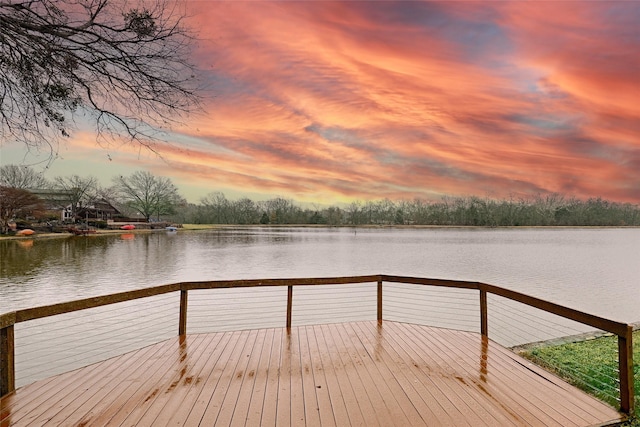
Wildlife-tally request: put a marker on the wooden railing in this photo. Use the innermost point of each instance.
(622, 330)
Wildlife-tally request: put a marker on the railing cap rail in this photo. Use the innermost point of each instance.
(619, 328)
(7, 319)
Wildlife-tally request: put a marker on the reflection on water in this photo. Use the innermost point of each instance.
(596, 270)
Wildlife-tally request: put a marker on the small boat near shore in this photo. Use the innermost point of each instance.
(128, 227)
(25, 232)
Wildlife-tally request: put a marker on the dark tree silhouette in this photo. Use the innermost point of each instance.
(17, 203)
(148, 194)
(121, 64)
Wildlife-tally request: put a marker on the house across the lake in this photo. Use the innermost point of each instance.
(100, 210)
(60, 203)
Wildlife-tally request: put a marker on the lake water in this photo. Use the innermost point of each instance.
(593, 270)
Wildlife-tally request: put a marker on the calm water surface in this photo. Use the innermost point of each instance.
(596, 270)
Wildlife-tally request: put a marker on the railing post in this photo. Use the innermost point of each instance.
(484, 322)
(379, 301)
(7, 360)
(289, 305)
(625, 365)
(182, 326)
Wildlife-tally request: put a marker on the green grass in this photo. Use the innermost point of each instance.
(591, 365)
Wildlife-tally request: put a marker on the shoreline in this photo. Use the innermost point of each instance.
(569, 339)
(200, 227)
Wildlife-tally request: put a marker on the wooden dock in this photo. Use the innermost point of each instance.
(363, 373)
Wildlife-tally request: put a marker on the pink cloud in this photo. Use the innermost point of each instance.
(374, 100)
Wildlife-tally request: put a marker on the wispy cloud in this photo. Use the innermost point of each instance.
(332, 101)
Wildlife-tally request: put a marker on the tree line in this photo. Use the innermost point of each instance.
(157, 198)
(538, 210)
(26, 194)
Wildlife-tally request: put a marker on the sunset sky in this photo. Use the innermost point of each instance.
(331, 102)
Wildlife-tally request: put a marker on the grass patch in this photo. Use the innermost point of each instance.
(591, 365)
(200, 226)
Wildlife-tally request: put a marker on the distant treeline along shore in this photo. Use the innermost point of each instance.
(26, 197)
(550, 210)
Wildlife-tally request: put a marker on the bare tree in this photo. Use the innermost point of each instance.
(245, 211)
(122, 64)
(16, 203)
(218, 208)
(22, 177)
(148, 194)
(81, 190)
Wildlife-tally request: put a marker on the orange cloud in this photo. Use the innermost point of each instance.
(364, 100)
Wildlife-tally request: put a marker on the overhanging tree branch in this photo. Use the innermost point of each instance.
(123, 64)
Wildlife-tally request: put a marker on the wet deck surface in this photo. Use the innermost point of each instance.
(331, 375)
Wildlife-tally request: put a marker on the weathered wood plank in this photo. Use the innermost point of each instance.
(258, 395)
(338, 387)
(467, 375)
(297, 392)
(549, 405)
(194, 379)
(364, 373)
(34, 398)
(361, 378)
(359, 408)
(432, 377)
(226, 391)
(399, 409)
(393, 371)
(22, 397)
(100, 392)
(467, 366)
(178, 411)
(176, 384)
(312, 404)
(249, 384)
(575, 401)
(267, 415)
(54, 400)
(283, 410)
(143, 387)
(217, 368)
(329, 415)
(397, 376)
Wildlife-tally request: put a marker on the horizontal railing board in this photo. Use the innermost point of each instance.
(461, 284)
(217, 284)
(22, 315)
(608, 325)
(624, 331)
(68, 307)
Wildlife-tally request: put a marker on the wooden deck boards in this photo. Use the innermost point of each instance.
(359, 374)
